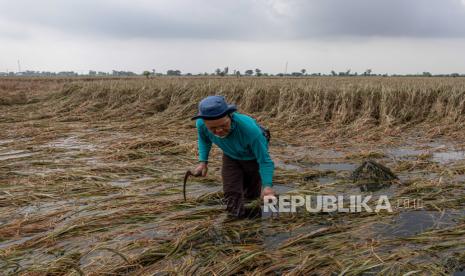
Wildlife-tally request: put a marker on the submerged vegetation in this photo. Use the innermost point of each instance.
(91, 177)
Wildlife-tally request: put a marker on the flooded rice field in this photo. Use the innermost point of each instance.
(91, 182)
(90, 200)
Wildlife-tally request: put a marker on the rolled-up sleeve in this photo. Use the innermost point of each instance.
(204, 143)
(266, 166)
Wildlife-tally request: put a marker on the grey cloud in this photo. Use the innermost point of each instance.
(242, 19)
(150, 19)
(409, 18)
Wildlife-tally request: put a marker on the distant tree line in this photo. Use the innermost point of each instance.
(257, 72)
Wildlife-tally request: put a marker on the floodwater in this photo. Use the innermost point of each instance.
(335, 166)
(343, 166)
(14, 154)
(282, 189)
(326, 180)
(127, 179)
(414, 222)
(440, 152)
(72, 143)
(448, 156)
(121, 183)
(287, 166)
(272, 240)
(6, 141)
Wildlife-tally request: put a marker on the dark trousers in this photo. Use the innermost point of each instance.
(241, 182)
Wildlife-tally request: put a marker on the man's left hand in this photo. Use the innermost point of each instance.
(268, 191)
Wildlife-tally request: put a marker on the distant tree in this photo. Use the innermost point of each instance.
(258, 72)
(296, 74)
(427, 74)
(173, 73)
(225, 71)
(303, 71)
(249, 72)
(146, 74)
(333, 73)
(123, 73)
(237, 73)
(367, 72)
(455, 75)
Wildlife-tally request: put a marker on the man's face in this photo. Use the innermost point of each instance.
(219, 127)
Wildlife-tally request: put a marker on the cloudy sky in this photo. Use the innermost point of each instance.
(388, 36)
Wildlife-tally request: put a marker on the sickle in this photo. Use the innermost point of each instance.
(188, 173)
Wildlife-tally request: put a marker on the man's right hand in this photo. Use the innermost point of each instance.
(201, 169)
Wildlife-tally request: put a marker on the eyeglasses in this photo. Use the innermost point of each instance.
(218, 128)
(223, 127)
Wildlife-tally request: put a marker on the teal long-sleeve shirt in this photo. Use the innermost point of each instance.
(244, 142)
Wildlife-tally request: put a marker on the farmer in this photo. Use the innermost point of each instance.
(247, 170)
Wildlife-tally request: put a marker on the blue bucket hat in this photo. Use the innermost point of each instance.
(214, 107)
